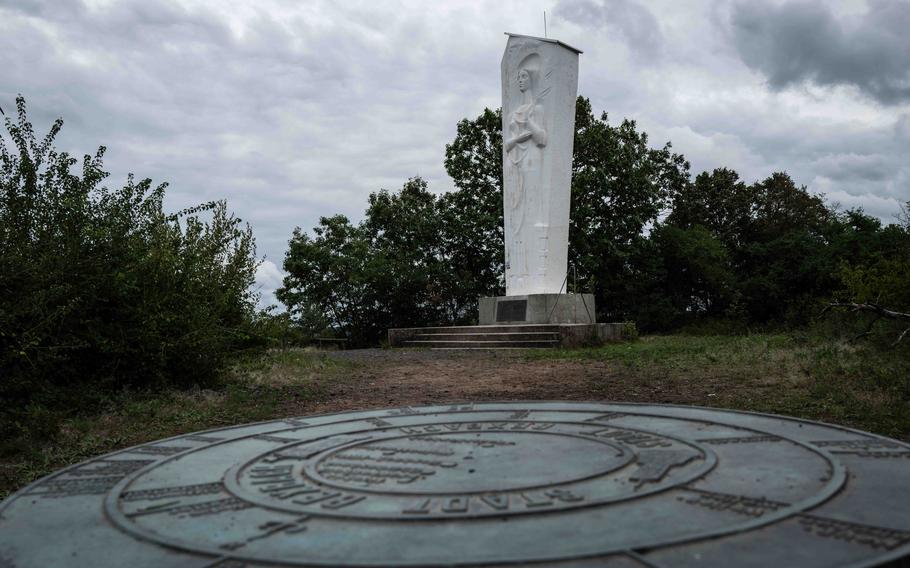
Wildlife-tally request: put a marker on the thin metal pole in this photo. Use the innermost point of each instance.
(545, 23)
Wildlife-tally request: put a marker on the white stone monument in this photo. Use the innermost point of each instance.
(539, 89)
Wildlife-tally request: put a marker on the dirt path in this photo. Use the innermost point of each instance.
(398, 378)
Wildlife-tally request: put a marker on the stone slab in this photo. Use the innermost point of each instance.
(537, 309)
(478, 484)
(539, 87)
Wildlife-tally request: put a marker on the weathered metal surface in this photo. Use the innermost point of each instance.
(492, 484)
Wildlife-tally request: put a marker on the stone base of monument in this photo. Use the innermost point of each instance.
(537, 309)
(524, 336)
(520, 322)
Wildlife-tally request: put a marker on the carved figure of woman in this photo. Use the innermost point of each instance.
(523, 146)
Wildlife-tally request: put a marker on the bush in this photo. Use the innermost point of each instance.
(102, 287)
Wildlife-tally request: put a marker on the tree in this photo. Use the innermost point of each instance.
(388, 271)
(473, 213)
(620, 187)
(719, 202)
(410, 272)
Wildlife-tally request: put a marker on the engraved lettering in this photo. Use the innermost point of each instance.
(472, 441)
(205, 439)
(636, 439)
(276, 439)
(343, 501)
(370, 474)
(316, 497)
(307, 451)
(606, 417)
(867, 448)
(393, 450)
(198, 509)
(401, 411)
(167, 492)
(874, 537)
(455, 505)
(420, 508)
(94, 478)
(860, 444)
(108, 468)
(383, 459)
(532, 500)
(563, 495)
(70, 487)
(738, 504)
(159, 450)
(497, 501)
(741, 440)
(270, 471)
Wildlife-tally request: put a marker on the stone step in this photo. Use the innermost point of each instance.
(488, 336)
(516, 328)
(482, 344)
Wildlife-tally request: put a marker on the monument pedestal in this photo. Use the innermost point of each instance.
(537, 309)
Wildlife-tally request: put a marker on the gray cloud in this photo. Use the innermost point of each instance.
(801, 41)
(291, 111)
(634, 22)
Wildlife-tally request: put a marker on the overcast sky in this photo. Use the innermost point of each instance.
(294, 110)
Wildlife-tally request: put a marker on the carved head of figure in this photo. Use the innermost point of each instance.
(524, 80)
(527, 73)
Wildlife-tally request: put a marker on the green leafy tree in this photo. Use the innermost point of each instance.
(620, 187)
(388, 271)
(472, 215)
(717, 201)
(327, 275)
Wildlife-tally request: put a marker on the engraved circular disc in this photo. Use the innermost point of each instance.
(479, 484)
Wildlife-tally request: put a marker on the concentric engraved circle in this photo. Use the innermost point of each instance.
(479, 484)
(481, 462)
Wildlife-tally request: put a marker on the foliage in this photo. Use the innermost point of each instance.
(388, 271)
(653, 245)
(101, 286)
(620, 186)
(473, 215)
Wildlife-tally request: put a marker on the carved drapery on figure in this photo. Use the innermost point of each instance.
(539, 84)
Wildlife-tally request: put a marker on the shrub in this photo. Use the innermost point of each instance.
(101, 286)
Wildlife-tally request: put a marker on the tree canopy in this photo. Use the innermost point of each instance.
(654, 245)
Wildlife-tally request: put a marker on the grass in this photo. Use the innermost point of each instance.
(275, 385)
(861, 385)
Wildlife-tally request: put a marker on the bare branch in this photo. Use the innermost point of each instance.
(874, 308)
(900, 337)
(879, 312)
